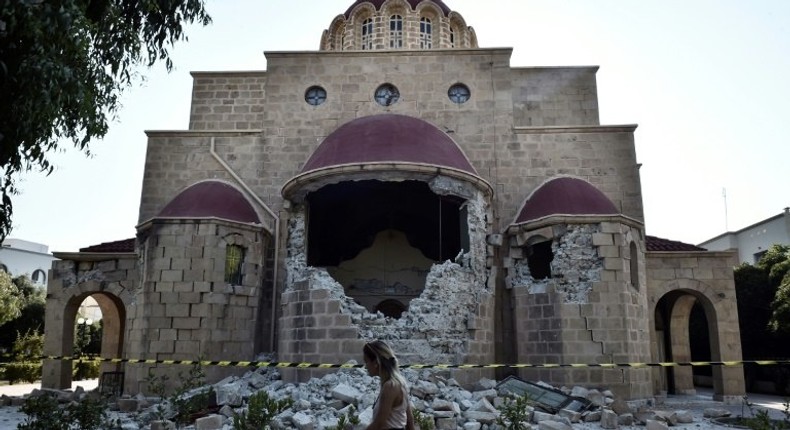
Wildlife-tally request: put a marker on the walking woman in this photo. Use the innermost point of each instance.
(392, 410)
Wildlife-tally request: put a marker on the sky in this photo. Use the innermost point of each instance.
(707, 82)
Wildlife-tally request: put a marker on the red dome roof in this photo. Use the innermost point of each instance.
(211, 199)
(413, 3)
(388, 138)
(565, 196)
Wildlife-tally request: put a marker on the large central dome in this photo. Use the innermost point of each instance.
(398, 24)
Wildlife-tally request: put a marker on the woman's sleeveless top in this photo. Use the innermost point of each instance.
(397, 419)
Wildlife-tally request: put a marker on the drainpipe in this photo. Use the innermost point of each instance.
(276, 232)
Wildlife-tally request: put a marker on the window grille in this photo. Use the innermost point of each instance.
(367, 34)
(396, 32)
(234, 258)
(426, 33)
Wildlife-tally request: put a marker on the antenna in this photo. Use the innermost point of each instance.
(726, 223)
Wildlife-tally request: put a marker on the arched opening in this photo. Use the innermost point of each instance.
(684, 334)
(391, 308)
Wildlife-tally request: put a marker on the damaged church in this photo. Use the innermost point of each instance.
(400, 183)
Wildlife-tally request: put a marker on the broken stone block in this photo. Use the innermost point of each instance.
(609, 419)
(715, 413)
(592, 416)
(595, 397)
(572, 416)
(668, 417)
(346, 393)
(302, 421)
(579, 392)
(483, 405)
(625, 419)
(211, 422)
(484, 384)
(446, 424)
(684, 417)
(472, 425)
(485, 394)
(553, 425)
(422, 389)
(230, 394)
(620, 407)
(442, 405)
(482, 417)
(163, 425)
(539, 416)
(656, 425)
(226, 411)
(443, 414)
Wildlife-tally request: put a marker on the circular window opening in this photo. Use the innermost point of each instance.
(386, 95)
(315, 96)
(459, 93)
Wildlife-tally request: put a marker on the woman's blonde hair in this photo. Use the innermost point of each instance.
(379, 351)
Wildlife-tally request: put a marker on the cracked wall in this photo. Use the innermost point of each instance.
(451, 321)
(586, 311)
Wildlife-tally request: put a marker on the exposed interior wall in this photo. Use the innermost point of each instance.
(580, 309)
(451, 321)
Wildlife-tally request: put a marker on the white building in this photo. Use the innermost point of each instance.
(753, 241)
(22, 257)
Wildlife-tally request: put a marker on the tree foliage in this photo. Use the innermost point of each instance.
(776, 263)
(10, 298)
(31, 304)
(63, 67)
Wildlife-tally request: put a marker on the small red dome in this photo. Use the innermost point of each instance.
(413, 3)
(565, 196)
(211, 199)
(388, 138)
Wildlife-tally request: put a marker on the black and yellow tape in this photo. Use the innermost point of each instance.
(302, 365)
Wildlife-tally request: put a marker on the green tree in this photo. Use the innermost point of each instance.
(10, 298)
(32, 303)
(776, 263)
(63, 67)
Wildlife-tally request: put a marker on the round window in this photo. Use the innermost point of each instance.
(459, 93)
(386, 95)
(315, 96)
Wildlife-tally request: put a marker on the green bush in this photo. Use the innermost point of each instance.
(22, 371)
(85, 370)
(44, 413)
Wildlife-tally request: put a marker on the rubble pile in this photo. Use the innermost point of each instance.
(319, 403)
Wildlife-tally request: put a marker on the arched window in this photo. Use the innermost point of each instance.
(234, 260)
(39, 276)
(396, 32)
(426, 33)
(367, 34)
(634, 266)
(452, 38)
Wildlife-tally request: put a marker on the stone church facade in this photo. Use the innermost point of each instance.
(400, 183)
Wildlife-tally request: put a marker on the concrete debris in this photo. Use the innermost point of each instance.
(319, 403)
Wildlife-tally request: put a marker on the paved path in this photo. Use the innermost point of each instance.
(22, 389)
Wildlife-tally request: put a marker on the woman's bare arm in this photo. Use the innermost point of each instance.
(390, 392)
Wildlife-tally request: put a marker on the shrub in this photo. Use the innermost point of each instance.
(261, 409)
(44, 413)
(22, 371)
(85, 370)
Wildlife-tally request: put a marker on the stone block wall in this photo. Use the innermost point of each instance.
(185, 310)
(227, 100)
(587, 312)
(706, 278)
(555, 96)
(112, 279)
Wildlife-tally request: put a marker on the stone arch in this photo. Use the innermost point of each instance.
(459, 27)
(389, 9)
(673, 304)
(61, 313)
(434, 13)
(332, 38)
(361, 13)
